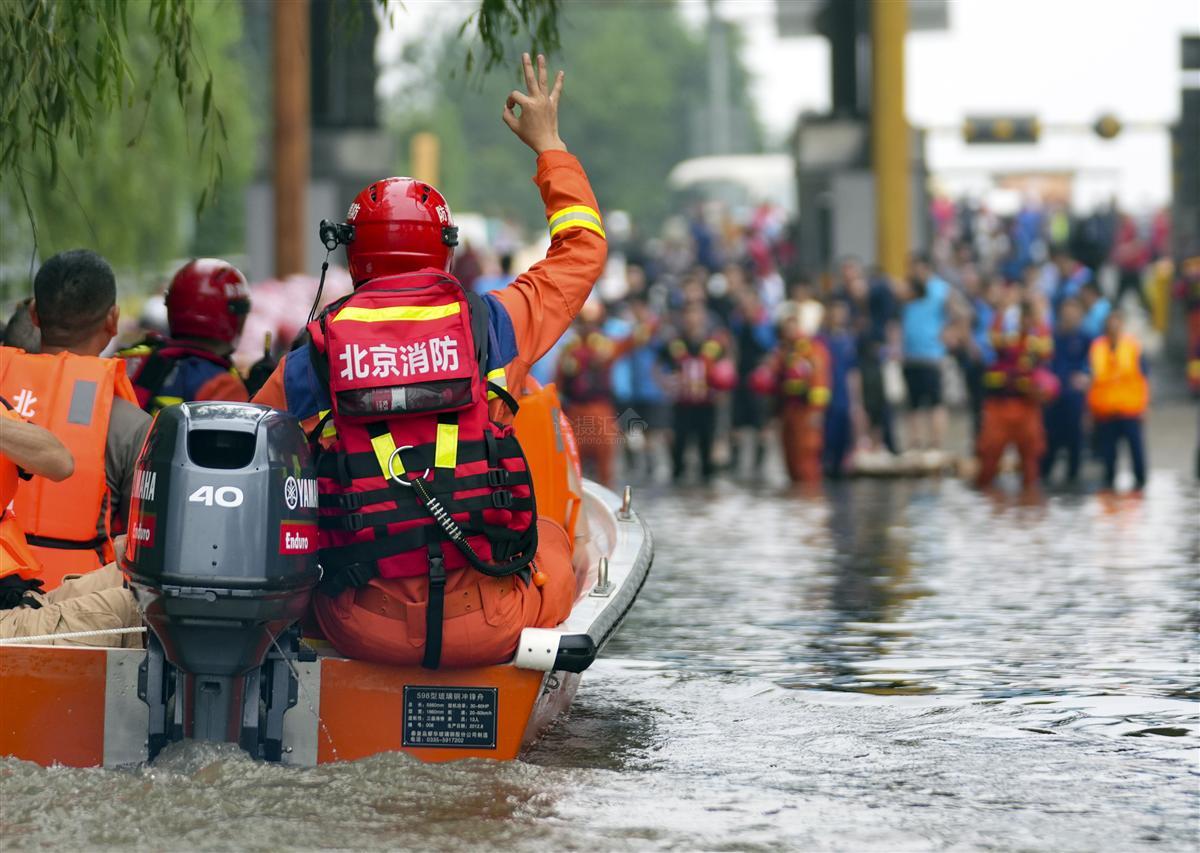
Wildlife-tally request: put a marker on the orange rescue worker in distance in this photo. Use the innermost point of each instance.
(403, 449)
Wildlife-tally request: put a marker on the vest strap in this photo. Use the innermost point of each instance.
(435, 607)
(93, 544)
(494, 478)
(410, 511)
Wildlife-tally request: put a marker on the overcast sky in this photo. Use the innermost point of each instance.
(1064, 60)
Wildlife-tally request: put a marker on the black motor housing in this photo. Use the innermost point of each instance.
(222, 554)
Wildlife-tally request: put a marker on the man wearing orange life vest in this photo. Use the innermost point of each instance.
(88, 403)
(95, 601)
(1118, 398)
(401, 455)
(207, 304)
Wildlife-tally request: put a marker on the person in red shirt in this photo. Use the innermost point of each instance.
(524, 320)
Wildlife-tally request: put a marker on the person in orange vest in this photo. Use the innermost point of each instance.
(1016, 384)
(413, 349)
(585, 385)
(1118, 398)
(88, 403)
(95, 601)
(699, 368)
(207, 303)
(797, 376)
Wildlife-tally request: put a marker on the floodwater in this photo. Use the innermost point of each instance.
(887, 666)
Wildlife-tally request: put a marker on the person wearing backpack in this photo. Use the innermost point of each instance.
(430, 541)
(207, 304)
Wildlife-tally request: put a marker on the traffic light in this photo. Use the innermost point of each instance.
(1107, 126)
(1001, 130)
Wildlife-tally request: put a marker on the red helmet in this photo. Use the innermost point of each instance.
(210, 299)
(400, 225)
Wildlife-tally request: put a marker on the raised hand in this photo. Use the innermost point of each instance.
(537, 122)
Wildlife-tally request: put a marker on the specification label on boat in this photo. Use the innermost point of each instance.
(455, 717)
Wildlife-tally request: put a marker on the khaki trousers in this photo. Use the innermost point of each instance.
(94, 601)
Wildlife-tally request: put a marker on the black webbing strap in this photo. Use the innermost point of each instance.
(435, 607)
(411, 510)
(500, 391)
(350, 501)
(66, 544)
(480, 328)
(364, 465)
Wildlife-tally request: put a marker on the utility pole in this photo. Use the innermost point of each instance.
(291, 46)
(720, 120)
(890, 135)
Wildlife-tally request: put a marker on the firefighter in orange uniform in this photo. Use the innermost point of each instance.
(1118, 398)
(1015, 386)
(207, 304)
(427, 535)
(585, 384)
(796, 375)
(88, 404)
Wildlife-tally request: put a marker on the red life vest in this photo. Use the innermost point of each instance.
(1019, 355)
(697, 366)
(416, 461)
(150, 364)
(585, 369)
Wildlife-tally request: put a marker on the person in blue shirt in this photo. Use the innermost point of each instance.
(1063, 277)
(844, 388)
(1063, 418)
(1095, 309)
(922, 322)
(487, 283)
(641, 401)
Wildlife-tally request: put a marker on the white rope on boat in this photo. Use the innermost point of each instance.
(71, 635)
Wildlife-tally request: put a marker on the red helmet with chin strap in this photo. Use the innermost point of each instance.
(399, 225)
(209, 299)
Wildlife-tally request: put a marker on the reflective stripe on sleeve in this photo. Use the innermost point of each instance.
(498, 377)
(577, 215)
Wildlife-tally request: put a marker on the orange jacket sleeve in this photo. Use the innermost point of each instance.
(543, 301)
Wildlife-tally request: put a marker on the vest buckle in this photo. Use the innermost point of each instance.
(498, 477)
(502, 499)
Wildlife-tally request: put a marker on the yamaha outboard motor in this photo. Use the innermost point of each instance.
(222, 559)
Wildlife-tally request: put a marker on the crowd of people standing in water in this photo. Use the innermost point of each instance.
(713, 344)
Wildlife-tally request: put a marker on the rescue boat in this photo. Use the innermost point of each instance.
(87, 707)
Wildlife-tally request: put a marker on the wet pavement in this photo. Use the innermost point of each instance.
(887, 665)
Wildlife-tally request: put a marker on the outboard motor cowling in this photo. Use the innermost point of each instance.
(222, 558)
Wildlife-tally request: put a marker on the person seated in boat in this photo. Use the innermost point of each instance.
(88, 403)
(96, 601)
(431, 548)
(207, 303)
